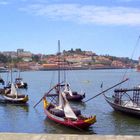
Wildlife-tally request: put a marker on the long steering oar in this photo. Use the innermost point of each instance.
(106, 90)
(46, 94)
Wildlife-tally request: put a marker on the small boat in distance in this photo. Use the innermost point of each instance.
(20, 84)
(12, 96)
(60, 111)
(126, 101)
(71, 95)
(19, 81)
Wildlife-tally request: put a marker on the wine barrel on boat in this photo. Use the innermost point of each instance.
(74, 93)
(60, 113)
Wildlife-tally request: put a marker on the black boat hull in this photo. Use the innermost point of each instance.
(76, 97)
(126, 110)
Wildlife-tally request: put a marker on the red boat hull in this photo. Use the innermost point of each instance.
(78, 124)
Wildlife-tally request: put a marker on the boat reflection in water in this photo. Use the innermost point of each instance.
(10, 105)
(56, 128)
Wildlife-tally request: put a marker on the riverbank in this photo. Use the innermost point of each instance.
(79, 68)
(22, 136)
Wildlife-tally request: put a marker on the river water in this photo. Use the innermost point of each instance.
(26, 119)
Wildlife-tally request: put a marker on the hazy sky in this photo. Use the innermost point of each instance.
(102, 26)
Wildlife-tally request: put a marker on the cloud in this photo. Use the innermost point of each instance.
(87, 14)
(4, 2)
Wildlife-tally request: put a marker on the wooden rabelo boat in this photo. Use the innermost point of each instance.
(12, 96)
(126, 101)
(60, 111)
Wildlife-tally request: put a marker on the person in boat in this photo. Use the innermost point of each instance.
(68, 86)
(2, 81)
(116, 98)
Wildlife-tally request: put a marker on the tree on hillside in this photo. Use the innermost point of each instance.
(4, 59)
(36, 58)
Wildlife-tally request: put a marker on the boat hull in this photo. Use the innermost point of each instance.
(75, 98)
(80, 123)
(77, 124)
(123, 109)
(15, 100)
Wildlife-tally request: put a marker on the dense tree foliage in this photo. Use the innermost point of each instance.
(4, 59)
(36, 58)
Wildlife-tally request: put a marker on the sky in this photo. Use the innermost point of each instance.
(106, 27)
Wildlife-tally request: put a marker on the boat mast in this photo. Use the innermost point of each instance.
(11, 75)
(19, 71)
(64, 69)
(59, 64)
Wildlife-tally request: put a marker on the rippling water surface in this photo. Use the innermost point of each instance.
(29, 120)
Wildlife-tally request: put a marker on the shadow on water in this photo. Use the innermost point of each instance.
(78, 105)
(53, 127)
(128, 117)
(125, 124)
(11, 106)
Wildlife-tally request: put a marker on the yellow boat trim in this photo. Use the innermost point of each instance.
(91, 120)
(26, 99)
(45, 103)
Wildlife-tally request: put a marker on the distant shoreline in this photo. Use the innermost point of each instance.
(79, 68)
(74, 68)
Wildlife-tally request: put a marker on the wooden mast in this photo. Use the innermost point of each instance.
(59, 64)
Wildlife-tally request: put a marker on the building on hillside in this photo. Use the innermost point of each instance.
(20, 51)
(117, 64)
(90, 53)
(138, 66)
(24, 66)
(12, 54)
(27, 59)
(25, 55)
(102, 60)
(35, 66)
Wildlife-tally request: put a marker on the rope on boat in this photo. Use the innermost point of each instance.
(47, 94)
(132, 55)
